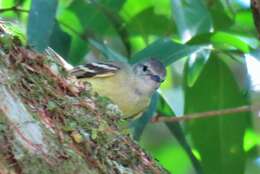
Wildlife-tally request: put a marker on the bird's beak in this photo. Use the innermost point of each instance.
(156, 78)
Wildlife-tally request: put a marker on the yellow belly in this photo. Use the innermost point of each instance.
(121, 92)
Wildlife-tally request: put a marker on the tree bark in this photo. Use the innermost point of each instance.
(51, 123)
(255, 6)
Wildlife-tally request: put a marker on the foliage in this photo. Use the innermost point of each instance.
(210, 49)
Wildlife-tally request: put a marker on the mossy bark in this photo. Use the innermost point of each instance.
(51, 123)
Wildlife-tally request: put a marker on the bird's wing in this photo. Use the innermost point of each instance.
(60, 60)
(92, 70)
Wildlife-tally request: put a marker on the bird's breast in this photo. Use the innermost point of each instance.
(122, 92)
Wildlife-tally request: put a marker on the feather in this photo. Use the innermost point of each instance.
(91, 70)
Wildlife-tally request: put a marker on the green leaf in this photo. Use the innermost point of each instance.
(219, 140)
(69, 21)
(225, 40)
(5, 5)
(102, 20)
(191, 17)
(71, 24)
(200, 39)
(244, 23)
(156, 25)
(114, 5)
(221, 20)
(107, 52)
(196, 63)
(171, 156)
(251, 140)
(41, 23)
(132, 8)
(93, 18)
(9, 3)
(231, 7)
(78, 50)
(175, 128)
(166, 51)
(60, 41)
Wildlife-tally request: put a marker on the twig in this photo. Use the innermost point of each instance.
(208, 114)
(14, 8)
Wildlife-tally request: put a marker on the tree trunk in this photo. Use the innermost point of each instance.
(52, 123)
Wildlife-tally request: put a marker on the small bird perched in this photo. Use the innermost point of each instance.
(129, 87)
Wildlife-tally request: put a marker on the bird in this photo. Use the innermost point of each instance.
(130, 87)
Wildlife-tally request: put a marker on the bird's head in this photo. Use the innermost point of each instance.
(151, 72)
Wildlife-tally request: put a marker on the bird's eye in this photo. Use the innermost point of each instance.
(145, 68)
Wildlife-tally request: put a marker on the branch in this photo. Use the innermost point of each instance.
(208, 114)
(14, 8)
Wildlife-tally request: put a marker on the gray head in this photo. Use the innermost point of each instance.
(150, 72)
